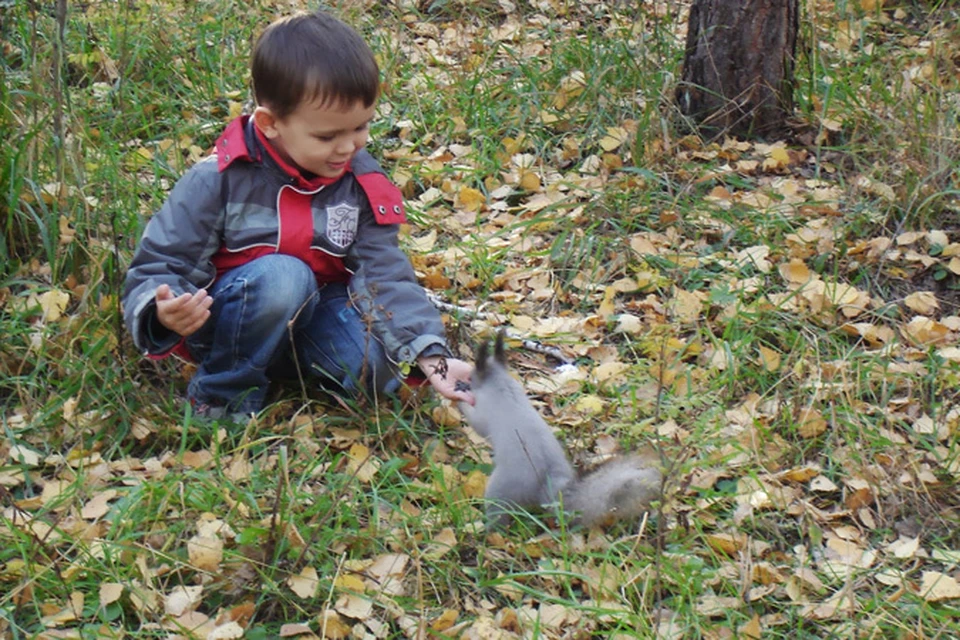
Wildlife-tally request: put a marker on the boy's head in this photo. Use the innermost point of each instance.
(312, 58)
(316, 83)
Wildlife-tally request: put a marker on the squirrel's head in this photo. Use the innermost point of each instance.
(485, 363)
(492, 385)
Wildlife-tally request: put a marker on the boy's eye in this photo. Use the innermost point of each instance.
(324, 138)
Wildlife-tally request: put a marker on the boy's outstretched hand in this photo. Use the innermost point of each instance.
(444, 375)
(182, 314)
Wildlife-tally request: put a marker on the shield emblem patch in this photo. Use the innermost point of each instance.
(342, 224)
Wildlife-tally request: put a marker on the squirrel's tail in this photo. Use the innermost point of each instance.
(621, 489)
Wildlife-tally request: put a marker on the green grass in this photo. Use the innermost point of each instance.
(146, 89)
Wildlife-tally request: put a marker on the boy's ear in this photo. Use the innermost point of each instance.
(266, 121)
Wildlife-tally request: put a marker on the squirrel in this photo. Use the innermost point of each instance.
(530, 466)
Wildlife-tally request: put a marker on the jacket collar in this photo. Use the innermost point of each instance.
(242, 140)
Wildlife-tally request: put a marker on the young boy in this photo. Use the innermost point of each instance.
(279, 254)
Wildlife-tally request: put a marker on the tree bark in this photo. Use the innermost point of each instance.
(738, 67)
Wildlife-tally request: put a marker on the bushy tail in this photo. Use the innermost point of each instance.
(621, 489)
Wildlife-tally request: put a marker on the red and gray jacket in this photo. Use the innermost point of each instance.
(245, 202)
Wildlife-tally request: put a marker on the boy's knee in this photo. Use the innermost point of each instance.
(281, 285)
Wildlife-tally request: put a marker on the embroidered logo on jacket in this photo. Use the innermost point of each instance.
(342, 224)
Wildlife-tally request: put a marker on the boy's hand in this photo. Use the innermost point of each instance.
(444, 374)
(182, 314)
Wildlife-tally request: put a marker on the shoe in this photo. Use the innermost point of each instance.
(204, 412)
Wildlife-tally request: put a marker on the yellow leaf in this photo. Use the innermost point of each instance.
(752, 629)
(424, 243)
(936, 586)
(470, 199)
(53, 303)
(110, 592)
(642, 245)
(606, 308)
(795, 272)
(811, 423)
(529, 181)
(727, 543)
(923, 331)
(610, 371)
(354, 606)
(67, 233)
(769, 358)
(182, 599)
(445, 620)
(801, 474)
(445, 416)
(523, 323)
(441, 544)
(362, 464)
(628, 323)
(590, 404)
(98, 506)
(22, 455)
(205, 552)
(350, 582)
(228, 631)
(780, 156)
(292, 629)
(332, 625)
(686, 306)
(922, 302)
(305, 584)
(615, 137)
(874, 335)
(475, 484)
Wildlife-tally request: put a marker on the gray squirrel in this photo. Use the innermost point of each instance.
(531, 469)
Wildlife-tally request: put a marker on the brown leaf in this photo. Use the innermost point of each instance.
(99, 505)
(811, 423)
(206, 552)
(332, 626)
(305, 584)
(922, 302)
(445, 620)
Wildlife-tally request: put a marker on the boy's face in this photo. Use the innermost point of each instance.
(319, 137)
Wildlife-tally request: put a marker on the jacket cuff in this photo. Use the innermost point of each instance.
(423, 346)
(160, 341)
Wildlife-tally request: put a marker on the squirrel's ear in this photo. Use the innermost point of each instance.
(498, 352)
(480, 364)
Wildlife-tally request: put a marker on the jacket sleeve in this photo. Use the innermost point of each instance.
(175, 249)
(385, 289)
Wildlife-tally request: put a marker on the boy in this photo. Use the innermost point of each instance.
(280, 252)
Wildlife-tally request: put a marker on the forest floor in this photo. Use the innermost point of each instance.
(777, 322)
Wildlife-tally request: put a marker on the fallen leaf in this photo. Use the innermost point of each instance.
(936, 586)
(206, 552)
(305, 584)
(110, 592)
(362, 463)
(922, 302)
(98, 506)
(182, 599)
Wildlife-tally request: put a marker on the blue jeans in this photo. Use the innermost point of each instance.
(270, 318)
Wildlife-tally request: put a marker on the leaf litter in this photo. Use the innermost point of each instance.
(685, 299)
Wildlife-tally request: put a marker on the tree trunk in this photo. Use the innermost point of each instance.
(738, 67)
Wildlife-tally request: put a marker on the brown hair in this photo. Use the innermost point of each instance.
(312, 57)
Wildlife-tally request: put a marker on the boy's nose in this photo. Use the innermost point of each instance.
(346, 145)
